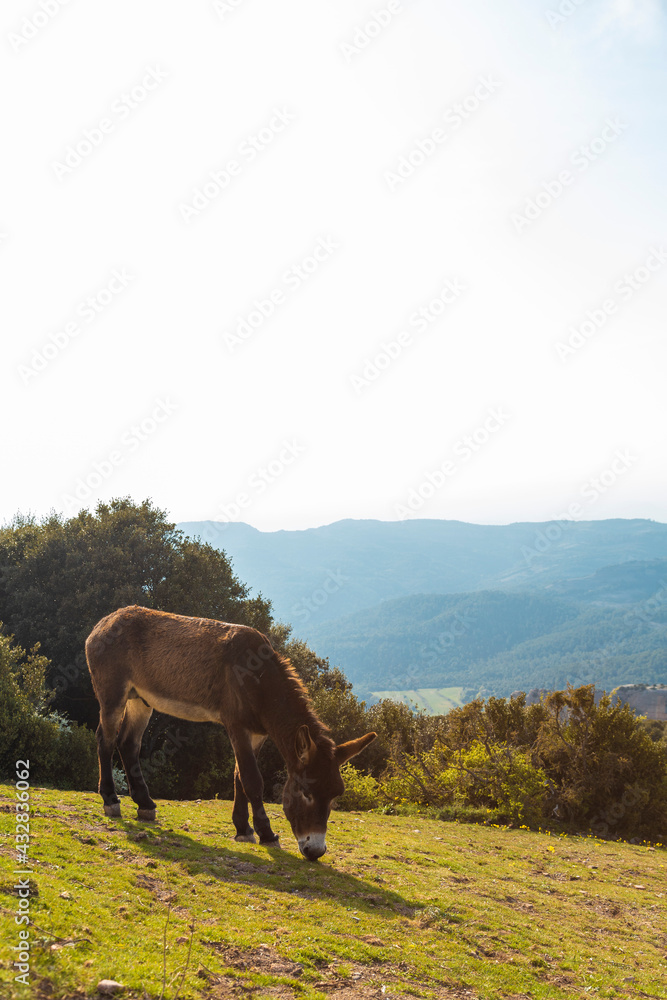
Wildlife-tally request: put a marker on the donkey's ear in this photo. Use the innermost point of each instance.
(304, 746)
(345, 751)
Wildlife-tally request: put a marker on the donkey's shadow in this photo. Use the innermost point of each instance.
(268, 867)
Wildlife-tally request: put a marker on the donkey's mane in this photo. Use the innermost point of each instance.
(320, 733)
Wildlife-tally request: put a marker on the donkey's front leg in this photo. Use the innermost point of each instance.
(253, 786)
(244, 832)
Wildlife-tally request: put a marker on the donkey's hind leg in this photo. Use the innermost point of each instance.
(135, 720)
(107, 731)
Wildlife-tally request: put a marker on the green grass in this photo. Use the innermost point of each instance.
(420, 907)
(434, 701)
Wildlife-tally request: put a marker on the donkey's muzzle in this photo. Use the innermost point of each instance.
(313, 846)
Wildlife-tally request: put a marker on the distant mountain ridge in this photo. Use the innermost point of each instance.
(426, 604)
(319, 574)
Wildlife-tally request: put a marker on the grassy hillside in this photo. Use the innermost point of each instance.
(435, 701)
(399, 907)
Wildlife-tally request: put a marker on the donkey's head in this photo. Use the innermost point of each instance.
(311, 787)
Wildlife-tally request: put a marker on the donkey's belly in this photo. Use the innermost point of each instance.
(181, 709)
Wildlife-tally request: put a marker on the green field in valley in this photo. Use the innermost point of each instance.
(399, 907)
(434, 701)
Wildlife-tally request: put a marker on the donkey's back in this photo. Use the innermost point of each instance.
(192, 668)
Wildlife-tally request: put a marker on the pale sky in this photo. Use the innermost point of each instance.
(429, 280)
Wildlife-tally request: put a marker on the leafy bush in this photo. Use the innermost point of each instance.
(605, 769)
(362, 791)
(565, 761)
(498, 777)
(60, 752)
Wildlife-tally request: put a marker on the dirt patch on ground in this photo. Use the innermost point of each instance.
(379, 982)
(253, 960)
(42, 989)
(262, 959)
(154, 885)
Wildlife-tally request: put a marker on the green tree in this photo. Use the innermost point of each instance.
(59, 577)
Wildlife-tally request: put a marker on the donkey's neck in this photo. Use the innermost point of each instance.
(287, 708)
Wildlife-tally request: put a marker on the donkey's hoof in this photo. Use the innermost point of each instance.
(112, 810)
(273, 842)
(148, 815)
(245, 838)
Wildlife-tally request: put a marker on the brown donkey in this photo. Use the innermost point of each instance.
(208, 671)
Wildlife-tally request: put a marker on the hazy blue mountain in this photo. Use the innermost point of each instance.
(498, 641)
(429, 640)
(424, 603)
(626, 583)
(323, 573)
